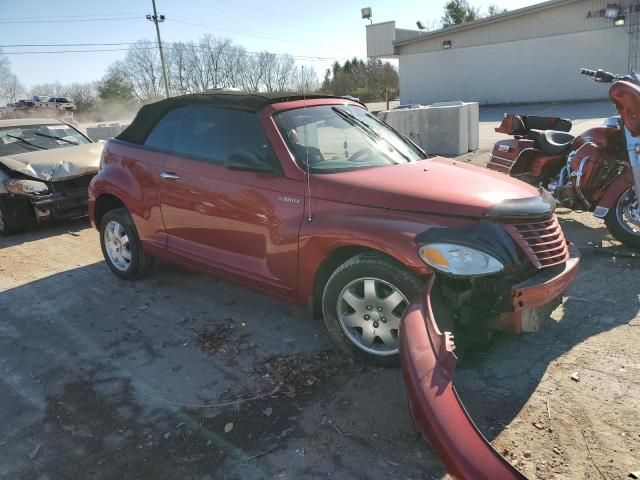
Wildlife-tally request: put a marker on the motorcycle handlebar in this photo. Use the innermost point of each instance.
(598, 75)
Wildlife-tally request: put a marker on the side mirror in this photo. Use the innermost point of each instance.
(248, 161)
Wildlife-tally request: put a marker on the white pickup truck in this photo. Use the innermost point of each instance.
(61, 103)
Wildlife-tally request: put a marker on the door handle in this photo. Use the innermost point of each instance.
(169, 176)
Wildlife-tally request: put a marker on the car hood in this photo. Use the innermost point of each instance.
(57, 163)
(437, 185)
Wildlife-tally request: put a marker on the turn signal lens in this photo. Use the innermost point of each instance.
(433, 256)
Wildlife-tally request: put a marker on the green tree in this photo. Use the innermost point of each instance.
(369, 81)
(457, 12)
(115, 87)
(495, 10)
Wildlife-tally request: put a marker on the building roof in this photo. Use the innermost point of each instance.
(484, 21)
(150, 114)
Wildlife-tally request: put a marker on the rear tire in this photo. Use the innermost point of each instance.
(362, 304)
(623, 220)
(121, 245)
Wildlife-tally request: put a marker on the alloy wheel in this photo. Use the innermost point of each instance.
(116, 242)
(628, 211)
(369, 311)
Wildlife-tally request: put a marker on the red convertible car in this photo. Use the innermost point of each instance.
(315, 200)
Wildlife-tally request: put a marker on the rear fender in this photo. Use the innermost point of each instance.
(119, 182)
(428, 364)
(612, 192)
(143, 204)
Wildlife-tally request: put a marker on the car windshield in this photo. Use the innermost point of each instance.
(337, 138)
(29, 138)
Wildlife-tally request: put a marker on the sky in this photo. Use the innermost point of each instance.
(325, 29)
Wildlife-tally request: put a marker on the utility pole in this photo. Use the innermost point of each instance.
(157, 19)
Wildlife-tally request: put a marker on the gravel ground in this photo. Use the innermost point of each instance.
(182, 375)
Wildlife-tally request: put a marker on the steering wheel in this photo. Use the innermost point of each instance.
(361, 155)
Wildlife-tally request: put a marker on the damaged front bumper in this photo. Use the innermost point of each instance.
(61, 199)
(428, 363)
(60, 205)
(534, 299)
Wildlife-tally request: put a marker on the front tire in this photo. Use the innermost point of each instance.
(8, 222)
(363, 303)
(121, 245)
(623, 221)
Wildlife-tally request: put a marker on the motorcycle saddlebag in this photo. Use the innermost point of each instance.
(520, 124)
(505, 152)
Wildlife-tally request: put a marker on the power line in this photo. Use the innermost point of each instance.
(168, 46)
(261, 11)
(88, 16)
(72, 20)
(238, 32)
(67, 51)
(19, 45)
(177, 19)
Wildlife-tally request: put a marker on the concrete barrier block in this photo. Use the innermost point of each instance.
(411, 122)
(448, 132)
(473, 112)
(104, 132)
(445, 128)
(473, 118)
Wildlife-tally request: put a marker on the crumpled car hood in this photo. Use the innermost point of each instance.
(58, 163)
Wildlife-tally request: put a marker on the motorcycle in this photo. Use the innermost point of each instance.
(597, 171)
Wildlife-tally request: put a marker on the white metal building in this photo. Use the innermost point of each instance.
(532, 54)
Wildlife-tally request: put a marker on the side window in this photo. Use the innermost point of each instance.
(212, 134)
(163, 134)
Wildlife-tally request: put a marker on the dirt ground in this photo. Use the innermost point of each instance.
(182, 375)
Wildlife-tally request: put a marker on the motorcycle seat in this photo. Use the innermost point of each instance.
(551, 141)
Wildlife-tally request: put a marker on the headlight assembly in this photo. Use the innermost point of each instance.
(22, 187)
(459, 260)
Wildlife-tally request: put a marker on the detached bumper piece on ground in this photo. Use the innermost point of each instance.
(429, 362)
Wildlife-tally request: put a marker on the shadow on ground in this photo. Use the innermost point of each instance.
(106, 379)
(497, 383)
(46, 230)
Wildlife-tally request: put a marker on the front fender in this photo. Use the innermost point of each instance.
(335, 226)
(613, 191)
(428, 364)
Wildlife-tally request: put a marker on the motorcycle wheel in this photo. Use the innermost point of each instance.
(623, 221)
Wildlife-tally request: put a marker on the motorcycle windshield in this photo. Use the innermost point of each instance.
(626, 97)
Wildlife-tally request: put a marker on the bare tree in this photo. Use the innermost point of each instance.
(209, 63)
(12, 89)
(177, 70)
(284, 74)
(53, 89)
(142, 68)
(85, 95)
(232, 67)
(254, 71)
(306, 80)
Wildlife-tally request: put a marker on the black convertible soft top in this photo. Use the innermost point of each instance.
(150, 114)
